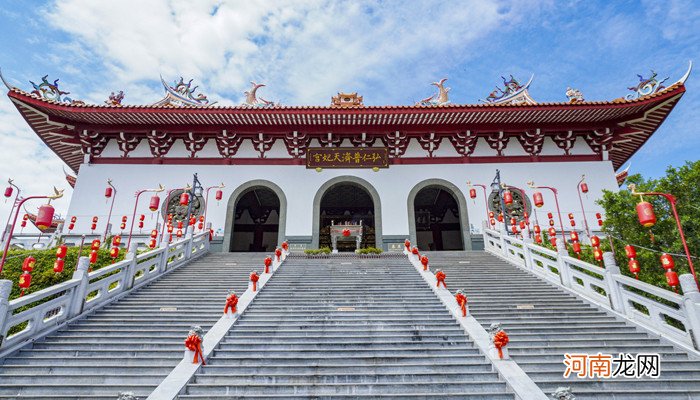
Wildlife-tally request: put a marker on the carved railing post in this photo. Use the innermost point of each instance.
(691, 302)
(614, 295)
(564, 273)
(188, 244)
(5, 290)
(131, 256)
(80, 291)
(527, 253)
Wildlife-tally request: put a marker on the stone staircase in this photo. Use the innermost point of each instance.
(544, 322)
(346, 328)
(132, 344)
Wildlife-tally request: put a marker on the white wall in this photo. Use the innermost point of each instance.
(300, 186)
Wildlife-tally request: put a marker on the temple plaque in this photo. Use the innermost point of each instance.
(347, 157)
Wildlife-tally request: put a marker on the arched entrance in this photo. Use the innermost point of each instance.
(350, 199)
(255, 219)
(437, 217)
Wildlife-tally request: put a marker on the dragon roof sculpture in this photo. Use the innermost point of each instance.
(439, 98)
(512, 93)
(182, 94)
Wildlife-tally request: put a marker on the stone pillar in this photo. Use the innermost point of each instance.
(564, 273)
(5, 290)
(691, 302)
(188, 244)
(80, 291)
(163, 265)
(131, 257)
(611, 270)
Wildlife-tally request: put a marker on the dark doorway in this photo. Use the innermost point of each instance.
(346, 202)
(256, 221)
(437, 220)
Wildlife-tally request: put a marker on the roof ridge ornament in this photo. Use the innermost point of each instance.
(181, 94)
(512, 93)
(680, 81)
(7, 85)
(438, 99)
(115, 99)
(646, 86)
(50, 91)
(345, 100)
(574, 95)
(251, 99)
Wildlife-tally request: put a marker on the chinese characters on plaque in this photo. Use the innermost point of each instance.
(347, 157)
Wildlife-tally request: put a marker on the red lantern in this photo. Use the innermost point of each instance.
(492, 221)
(95, 245)
(142, 217)
(170, 217)
(472, 193)
(571, 215)
(595, 241)
(116, 240)
(93, 256)
(630, 251)
(584, 187)
(152, 243)
(28, 264)
(574, 236)
(93, 226)
(549, 215)
(508, 197)
(184, 199)
(124, 218)
(538, 239)
(645, 213)
(537, 229)
(512, 220)
(491, 214)
(95, 219)
(193, 219)
(122, 226)
(577, 247)
(672, 278)
(500, 217)
(154, 203)
(71, 226)
(140, 224)
(114, 252)
(551, 222)
(108, 192)
(61, 251)
(219, 195)
(44, 217)
(514, 229)
(25, 280)
(346, 232)
(179, 224)
(179, 233)
(600, 222)
(8, 191)
(552, 232)
(73, 219)
(634, 267)
(170, 229)
(58, 266)
(553, 241)
(573, 223)
(598, 215)
(154, 233)
(522, 224)
(597, 254)
(538, 199)
(200, 226)
(201, 218)
(667, 261)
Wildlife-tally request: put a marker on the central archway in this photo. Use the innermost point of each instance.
(347, 198)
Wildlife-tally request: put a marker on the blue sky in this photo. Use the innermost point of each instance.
(306, 51)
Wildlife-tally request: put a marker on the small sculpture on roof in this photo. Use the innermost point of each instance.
(646, 86)
(574, 95)
(182, 94)
(512, 93)
(347, 100)
(251, 99)
(50, 91)
(439, 98)
(115, 99)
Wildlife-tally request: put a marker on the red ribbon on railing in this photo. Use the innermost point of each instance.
(462, 301)
(254, 278)
(194, 343)
(231, 303)
(440, 276)
(500, 340)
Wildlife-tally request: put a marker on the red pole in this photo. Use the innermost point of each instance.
(578, 189)
(12, 227)
(671, 199)
(556, 201)
(14, 203)
(131, 229)
(109, 216)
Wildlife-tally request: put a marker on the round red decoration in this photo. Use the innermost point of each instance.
(346, 232)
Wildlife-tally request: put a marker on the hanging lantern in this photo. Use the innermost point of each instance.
(645, 213)
(553, 241)
(512, 220)
(584, 187)
(184, 199)
(285, 245)
(500, 217)
(630, 251)
(152, 243)
(538, 199)
(667, 261)
(551, 222)
(95, 219)
(571, 215)
(28, 264)
(538, 239)
(508, 197)
(552, 232)
(71, 226)
(472, 193)
(597, 254)
(93, 226)
(108, 192)
(492, 221)
(116, 240)
(201, 218)
(124, 218)
(600, 222)
(672, 279)
(179, 233)
(170, 217)
(179, 224)
(634, 267)
(154, 233)
(193, 219)
(140, 224)
(58, 266)
(122, 226)
(525, 214)
(537, 229)
(514, 229)
(491, 214)
(598, 215)
(61, 251)
(577, 247)
(95, 245)
(73, 219)
(93, 256)
(154, 203)
(142, 217)
(200, 226)
(219, 195)
(170, 229)
(522, 224)
(114, 252)
(595, 241)
(574, 236)
(8, 191)
(549, 215)
(25, 280)
(44, 217)
(573, 223)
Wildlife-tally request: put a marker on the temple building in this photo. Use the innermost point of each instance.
(292, 172)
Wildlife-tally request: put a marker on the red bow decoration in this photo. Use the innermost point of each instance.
(462, 301)
(346, 232)
(500, 340)
(424, 261)
(278, 253)
(231, 303)
(254, 278)
(268, 262)
(440, 279)
(194, 343)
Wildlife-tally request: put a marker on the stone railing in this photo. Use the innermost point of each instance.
(674, 316)
(25, 319)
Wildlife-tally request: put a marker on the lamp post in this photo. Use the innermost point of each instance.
(580, 199)
(133, 216)
(672, 200)
(57, 195)
(206, 200)
(556, 202)
(486, 202)
(111, 206)
(496, 187)
(196, 186)
(14, 203)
